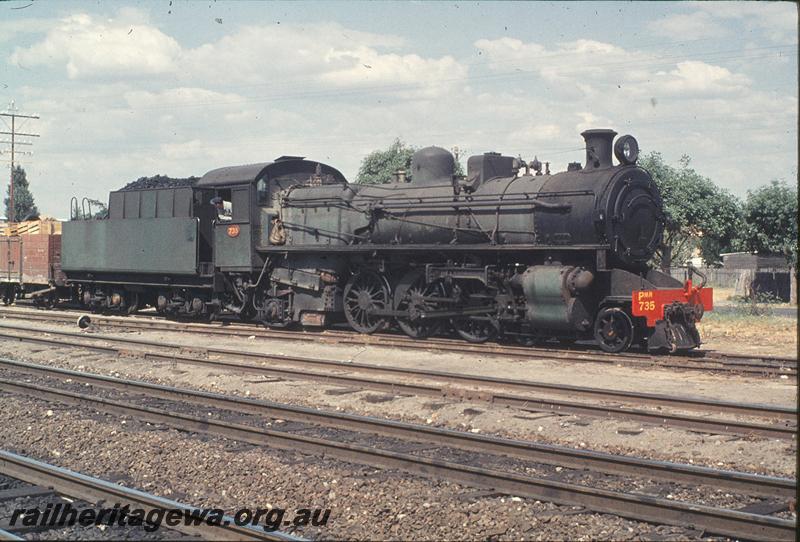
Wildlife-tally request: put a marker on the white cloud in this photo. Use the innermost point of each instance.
(675, 105)
(10, 30)
(334, 94)
(169, 98)
(695, 77)
(184, 150)
(688, 26)
(589, 67)
(314, 57)
(777, 20)
(294, 59)
(90, 48)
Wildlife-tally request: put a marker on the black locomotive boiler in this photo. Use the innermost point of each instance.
(505, 250)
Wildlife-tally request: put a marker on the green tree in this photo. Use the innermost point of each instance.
(24, 206)
(379, 166)
(98, 208)
(698, 213)
(770, 221)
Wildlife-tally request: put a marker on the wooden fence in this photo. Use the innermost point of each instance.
(778, 281)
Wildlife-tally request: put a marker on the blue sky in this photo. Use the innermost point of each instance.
(127, 89)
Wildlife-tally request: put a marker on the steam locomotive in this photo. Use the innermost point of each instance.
(506, 250)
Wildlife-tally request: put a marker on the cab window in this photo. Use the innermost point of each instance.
(223, 205)
(262, 193)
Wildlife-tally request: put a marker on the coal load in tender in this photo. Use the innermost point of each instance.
(159, 181)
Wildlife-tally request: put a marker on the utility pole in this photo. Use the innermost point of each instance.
(13, 115)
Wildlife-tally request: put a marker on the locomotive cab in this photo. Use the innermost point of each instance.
(254, 277)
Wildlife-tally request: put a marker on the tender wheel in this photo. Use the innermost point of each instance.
(409, 296)
(9, 295)
(365, 292)
(132, 299)
(613, 330)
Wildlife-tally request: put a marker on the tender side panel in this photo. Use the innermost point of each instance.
(145, 245)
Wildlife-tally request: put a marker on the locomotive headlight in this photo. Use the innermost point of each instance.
(626, 149)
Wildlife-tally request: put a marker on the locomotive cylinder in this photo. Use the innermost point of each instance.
(552, 295)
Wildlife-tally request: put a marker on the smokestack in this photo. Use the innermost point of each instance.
(599, 144)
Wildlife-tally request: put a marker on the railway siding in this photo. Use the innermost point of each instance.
(429, 383)
(558, 455)
(203, 362)
(642, 507)
(47, 479)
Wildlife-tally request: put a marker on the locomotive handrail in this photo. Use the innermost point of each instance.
(85, 201)
(73, 209)
(498, 203)
(437, 204)
(692, 270)
(397, 198)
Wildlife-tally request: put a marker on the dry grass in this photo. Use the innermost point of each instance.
(723, 295)
(774, 335)
(726, 296)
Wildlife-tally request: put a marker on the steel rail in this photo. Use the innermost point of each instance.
(91, 489)
(655, 399)
(710, 425)
(5, 535)
(639, 507)
(529, 451)
(704, 361)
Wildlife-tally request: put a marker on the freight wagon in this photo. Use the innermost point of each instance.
(30, 262)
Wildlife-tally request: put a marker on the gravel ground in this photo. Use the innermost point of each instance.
(79, 532)
(707, 495)
(751, 454)
(369, 503)
(365, 503)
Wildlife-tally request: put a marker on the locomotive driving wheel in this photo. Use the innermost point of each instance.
(478, 328)
(411, 296)
(613, 330)
(364, 293)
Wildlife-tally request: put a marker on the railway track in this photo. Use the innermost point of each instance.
(558, 455)
(535, 395)
(735, 523)
(699, 361)
(45, 480)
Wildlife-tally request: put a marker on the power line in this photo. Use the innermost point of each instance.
(13, 115)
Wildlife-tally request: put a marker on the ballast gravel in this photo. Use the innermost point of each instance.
(366, 503)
